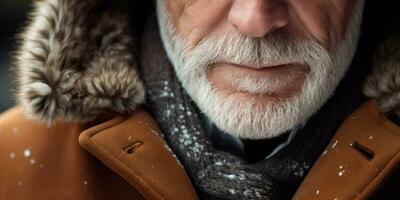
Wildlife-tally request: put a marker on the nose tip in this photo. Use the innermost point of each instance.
(257, 18)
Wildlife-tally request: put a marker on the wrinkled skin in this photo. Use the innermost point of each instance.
(324, 22)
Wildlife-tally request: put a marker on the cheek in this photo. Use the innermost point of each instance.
(324, 21)
(196, 19)
(311, 20)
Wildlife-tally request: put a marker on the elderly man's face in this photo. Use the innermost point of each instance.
(258, 68)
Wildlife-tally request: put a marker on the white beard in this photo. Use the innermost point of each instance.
(250, 118)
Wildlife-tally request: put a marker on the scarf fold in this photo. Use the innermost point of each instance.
(220, 175)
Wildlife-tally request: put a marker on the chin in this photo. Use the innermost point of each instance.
(254, 116)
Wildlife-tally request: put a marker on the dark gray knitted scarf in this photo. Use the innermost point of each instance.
(220, 175)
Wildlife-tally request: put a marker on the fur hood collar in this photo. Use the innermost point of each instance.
(75, 61)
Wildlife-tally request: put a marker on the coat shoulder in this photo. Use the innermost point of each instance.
(14, 120)
(42, 161)
(17, 130)
(29, 150)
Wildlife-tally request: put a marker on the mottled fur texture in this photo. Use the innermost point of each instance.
(384, 82)
(75, 60)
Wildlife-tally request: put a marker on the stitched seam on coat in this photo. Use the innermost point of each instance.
(128, 169)
(396, 157)
(104, 149)
(118, 120)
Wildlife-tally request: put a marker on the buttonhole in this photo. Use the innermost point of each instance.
(132, 147)
(364, 151)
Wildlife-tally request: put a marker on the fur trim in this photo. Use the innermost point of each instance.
(76, 60)
(384, 82)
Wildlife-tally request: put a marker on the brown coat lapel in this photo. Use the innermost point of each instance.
(360, 158)
(133, 148)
